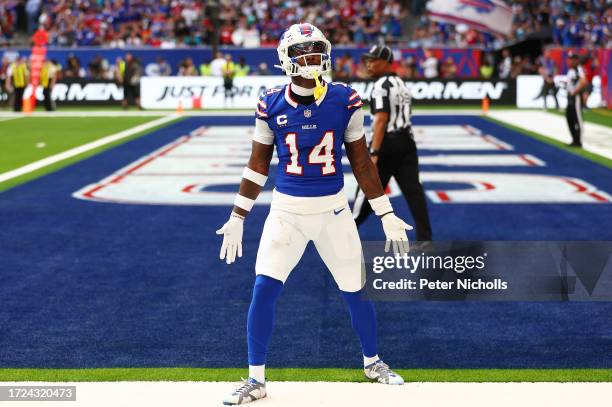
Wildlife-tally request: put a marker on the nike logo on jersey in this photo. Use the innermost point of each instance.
(337, 211)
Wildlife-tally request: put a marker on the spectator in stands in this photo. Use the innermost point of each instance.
(217, 64)
(158, 68)
(252, 23)
(345, 67)
(134, 39)
(32, 10)
(225, 36)
(131, 81)
(187, 68)
(407, 68)
(361, 71)
(517, 66)
(239, 34)
(73, 68)
(448, 69)
(262, 69)
(8, 17)
(430, 65)
(505, 66)
(251, 37)
(522, 65)
(98, 68)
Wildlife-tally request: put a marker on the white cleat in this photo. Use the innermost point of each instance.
(380, 372)
(250, 390)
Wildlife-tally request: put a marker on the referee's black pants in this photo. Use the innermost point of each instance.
(405, 168)
(573, 115)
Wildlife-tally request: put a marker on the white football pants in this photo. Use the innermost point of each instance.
(334, 234)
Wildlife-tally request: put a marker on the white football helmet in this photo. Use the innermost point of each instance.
(299, 41)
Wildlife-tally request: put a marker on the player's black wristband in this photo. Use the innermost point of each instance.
(374, 153)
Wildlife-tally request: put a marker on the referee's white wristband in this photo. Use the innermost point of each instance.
(254, 176)
(381, 205)
(244, 202)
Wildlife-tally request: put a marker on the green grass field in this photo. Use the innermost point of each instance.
(20, 140)
(305, 375)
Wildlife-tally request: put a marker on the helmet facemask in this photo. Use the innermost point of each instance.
(305, 55)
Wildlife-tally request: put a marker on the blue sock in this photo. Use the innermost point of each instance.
(260, 320)
(363, 318)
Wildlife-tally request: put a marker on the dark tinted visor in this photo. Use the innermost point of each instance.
(312, 47)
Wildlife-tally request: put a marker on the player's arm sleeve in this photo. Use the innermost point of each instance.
(263, 132)
(354, 129)
(380, 96)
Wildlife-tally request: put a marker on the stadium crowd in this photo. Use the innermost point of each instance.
(345, 67)
(255, 23)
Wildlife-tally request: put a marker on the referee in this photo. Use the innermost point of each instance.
(393, 149)
(576, 83)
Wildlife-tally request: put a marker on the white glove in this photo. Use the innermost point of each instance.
(395, 231)
(232, 238)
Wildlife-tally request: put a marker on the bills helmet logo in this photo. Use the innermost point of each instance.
(306, 29)
(481, 6)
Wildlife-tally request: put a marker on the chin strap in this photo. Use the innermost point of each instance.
(319, 89)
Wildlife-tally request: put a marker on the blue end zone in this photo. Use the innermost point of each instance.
(87, 284)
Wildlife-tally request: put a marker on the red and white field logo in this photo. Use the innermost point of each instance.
(205, 168)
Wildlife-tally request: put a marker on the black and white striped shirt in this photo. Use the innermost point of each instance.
(573, 77)
(390, 94)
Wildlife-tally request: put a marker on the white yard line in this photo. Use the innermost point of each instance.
(83, 148)
(93, 113)
(596, 138)
(4, 119)
(324, 394)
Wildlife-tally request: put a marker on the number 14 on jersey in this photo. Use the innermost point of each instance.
(321, 154)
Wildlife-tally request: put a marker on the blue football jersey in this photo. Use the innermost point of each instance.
(309, 139)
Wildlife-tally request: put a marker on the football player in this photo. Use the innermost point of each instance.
(308, 121)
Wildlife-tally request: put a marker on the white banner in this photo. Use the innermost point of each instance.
(483, 15)
(204, 92)
(529, 87)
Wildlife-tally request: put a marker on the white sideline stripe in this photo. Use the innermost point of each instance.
(596, 138)
(76, 113)
(83, 148)
(325, 394)
(4, 119)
